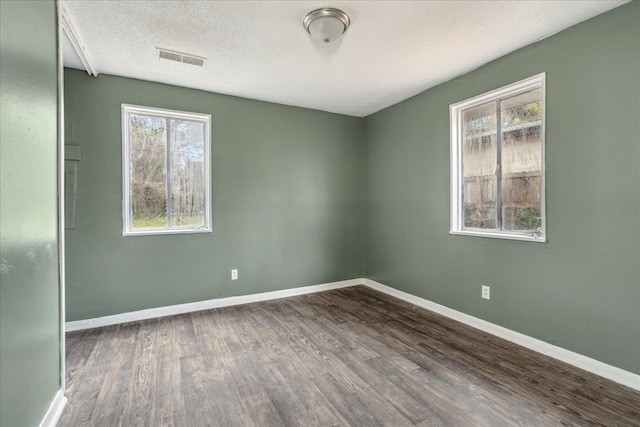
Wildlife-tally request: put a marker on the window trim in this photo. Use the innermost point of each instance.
(127, 229)
(457, 181)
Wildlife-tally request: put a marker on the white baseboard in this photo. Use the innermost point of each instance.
(171, 310)
(618, 375)
(55, 410)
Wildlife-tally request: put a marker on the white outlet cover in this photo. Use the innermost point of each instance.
(486, 292)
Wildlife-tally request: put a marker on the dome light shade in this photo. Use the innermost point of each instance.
(326, 24)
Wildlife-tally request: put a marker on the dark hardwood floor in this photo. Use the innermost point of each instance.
(345, 357)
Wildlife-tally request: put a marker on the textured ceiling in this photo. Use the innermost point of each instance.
(259, 49)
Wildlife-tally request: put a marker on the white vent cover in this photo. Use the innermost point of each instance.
(181, 57)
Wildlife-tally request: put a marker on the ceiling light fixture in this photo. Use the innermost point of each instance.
(326, 24)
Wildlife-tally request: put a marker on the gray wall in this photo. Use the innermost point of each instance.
(287, 208)
(29, 289)
(581, 290)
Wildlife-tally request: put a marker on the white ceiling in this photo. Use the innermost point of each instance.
(260, 50)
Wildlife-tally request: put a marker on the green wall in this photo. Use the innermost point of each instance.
(581, 289)
(290, 185)
(29, 288)
(287, 208)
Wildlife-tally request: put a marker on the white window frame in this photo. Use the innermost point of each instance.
(127, 229)
(455, 114)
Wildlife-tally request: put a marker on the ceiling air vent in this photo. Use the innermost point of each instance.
(181, 57)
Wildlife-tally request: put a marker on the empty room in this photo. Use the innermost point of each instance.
(306, 213)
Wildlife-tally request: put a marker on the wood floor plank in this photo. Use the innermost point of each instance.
(363, 340)
(278, 346)
(348, 357)
(115, 365)
(318, 343)
(141, 405)
(80, 347)
(202, 405)
(255, 400)
(403, 402)
(362, 408)
(173, 337)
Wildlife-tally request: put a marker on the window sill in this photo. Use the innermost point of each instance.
(497, 235)
(151, 232)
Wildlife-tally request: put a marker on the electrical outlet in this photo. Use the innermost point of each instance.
(234, 274)
(486, 292)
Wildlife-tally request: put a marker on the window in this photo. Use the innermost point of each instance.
(166, 171)
(497, 163)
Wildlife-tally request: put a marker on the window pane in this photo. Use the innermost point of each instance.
(521, 127)
(479, 154)
(187, 173)
(147, 136)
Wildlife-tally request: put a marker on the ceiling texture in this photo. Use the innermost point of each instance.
(260, 50)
